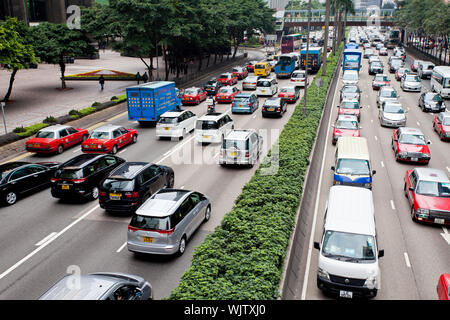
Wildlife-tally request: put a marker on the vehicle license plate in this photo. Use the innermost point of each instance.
(65, 187)
(147, 239)
(92, 146)
(414, 159)
(166, 128)
(115, 196)
(346, 294)
(206, 137)
(270, 109)
(439, 221)
(241, 105)
(232, 154)
(37, 145)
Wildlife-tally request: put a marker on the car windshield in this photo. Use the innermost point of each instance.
(416, 139)
(298, 75)
(211, 83)
(412, 78)
(168, 120)
(263, 84)
(402, 70)
(120, 185)
(433, 97)
(224, 76)
(375, 64)
(353, 167)
(45, 134)
(350, 89)
(272, 102)
(190, 91)
(238, 144)
(350, 76)
(69, 174)
(240, 100)
(350, 105)
(388, 93)
(381, 78)
(446, 121)
(237, 70)
(288, 90)
(150, 223)
(433, 188)
(346, 124)
(225, 90)
(394, 108)
(206, 125)
(446, 83)
(99, 135)
(397, 62)
(348, 246)
(260, 66)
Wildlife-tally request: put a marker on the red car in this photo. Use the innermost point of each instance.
(415, 65)
(228, 79)
(350, 107)
(443, 287)
(55, 139)
(108, 139)
(226, 94)
(379, 81)
(251, 66)
(428, 193)
(193, 96)
(290, 94)
(441, 124)
(409, 145)
(240, 72)
(345, 125)
(400, 72)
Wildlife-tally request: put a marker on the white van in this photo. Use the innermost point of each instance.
(175, 124)
(440, 81)
(348, 258)
(212, 127)
(266, 87)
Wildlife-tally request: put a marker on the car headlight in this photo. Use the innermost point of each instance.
(426, 155)
(322, 274)
(423, 211)
(403, 154)
(368, 185)
(371, 282)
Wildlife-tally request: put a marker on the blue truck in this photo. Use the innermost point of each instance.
(285, 66)
(148, 101)
(314, 59)
(352, 59)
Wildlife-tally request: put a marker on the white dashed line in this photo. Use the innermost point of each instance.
(121, 247)
(123, 151)
(376, 138)
(392, 205)
(382, 164)
(418, 123)
(408, 263)
(47, 238)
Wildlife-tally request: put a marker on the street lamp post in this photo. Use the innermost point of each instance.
(3, 114)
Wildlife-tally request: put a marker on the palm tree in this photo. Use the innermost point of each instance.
(347, 7)
(325, 39)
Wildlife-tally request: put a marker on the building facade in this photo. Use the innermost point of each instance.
(39, 10)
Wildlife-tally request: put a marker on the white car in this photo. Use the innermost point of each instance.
(350, 77)
(249, 83)
(411, 82)
(298, 78)
(175, 124)
(213, 127)
(392, 114)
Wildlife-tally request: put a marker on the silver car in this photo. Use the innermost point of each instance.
(166, 221)
(249, 83)
(392, 114)
(100, 286)
(241, 147)
(386, 93)
(425, 69)
(411, 82)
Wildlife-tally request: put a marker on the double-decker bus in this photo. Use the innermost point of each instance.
(291, 43)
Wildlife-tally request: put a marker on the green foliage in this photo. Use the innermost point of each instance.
(50, 119)
(86, 111)
(29, 131)
(243, 258)
(119, 99)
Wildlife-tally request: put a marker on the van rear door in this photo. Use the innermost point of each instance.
(134, 104)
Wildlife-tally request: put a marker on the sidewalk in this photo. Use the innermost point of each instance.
(36, 93)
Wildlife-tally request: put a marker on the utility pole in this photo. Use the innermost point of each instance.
(3, 114)
(306, 58)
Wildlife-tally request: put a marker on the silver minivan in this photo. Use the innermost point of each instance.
(163, 224)
(241, 147)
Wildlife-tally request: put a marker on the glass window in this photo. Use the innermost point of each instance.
(116, 133)
(35, 169)
(353, 167)
(195, 199)
(348, 246)
(110, 160)
(100, 135)
(346, 124)
(150, 223)
(45, 134)
(116, 184)
(123, 130)
(416, 139)
(20, 173)
(71, 130)
(206, 125)
(350, 105)
(238, 144)
(433, 188)
(168, 120)
(63, 133)
(69, 174)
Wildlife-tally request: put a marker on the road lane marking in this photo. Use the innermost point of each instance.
(123, 151)
(121, 247)
(448, 169)
(316, 208)
(118, 116)
(78, 150)
(408, 263)
(446, 235)
(22, 156)
(47, 238)
(30, 255)
(418, 123)
(254, 116)
(392, 205)
(168, 153)
(96, 125)
(376, 138)
(382, 164)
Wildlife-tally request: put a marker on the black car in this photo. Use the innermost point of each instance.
(20, 178)
(212, 87)
(80, 177)
(274, 106)
(432, 102)
(375, 67)
(132, 183)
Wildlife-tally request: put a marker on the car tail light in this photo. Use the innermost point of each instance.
(131, 194)
(102, 193)
(79, 180)
(134, 229)
(247, 154)
(278, 109)
(249, 104)
(53, 180)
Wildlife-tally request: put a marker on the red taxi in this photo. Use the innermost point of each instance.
(428, 193)
(345, 125)
(108, 139)
(226, 94)
(228, 79)
(251, 66)
(56, 138)
(193, 96)
(240, 72)
(409, 145)
(350, 107)
(379, 81)
(290, 94)
(441, 124)
(443, 287)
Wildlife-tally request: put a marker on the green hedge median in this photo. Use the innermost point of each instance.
(243, 258)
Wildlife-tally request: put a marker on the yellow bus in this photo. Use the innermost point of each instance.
(262, 69)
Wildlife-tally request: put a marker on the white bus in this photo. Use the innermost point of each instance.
(440, 81)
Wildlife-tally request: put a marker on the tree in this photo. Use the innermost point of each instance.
(53, 42)
(16, 51)
(325, 42)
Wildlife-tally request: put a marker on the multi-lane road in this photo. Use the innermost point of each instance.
(43, 239)
(415, 254)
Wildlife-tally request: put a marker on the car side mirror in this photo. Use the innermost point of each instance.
(317, 245)
(381, 253)
(429, 142)
(374, 172)
(411, 189)
(333, 168)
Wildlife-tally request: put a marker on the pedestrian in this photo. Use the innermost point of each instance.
(145, 77)
(138, 77)
(102, 82)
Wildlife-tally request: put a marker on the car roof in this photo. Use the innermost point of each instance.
(352, 148)
(107, 128)
(409, 130)
(351, 210)
(431, 174)
(55, 127)
(128, 170)
(81, 160)
(349, 117)
(173, 114)
(244, 95)
(163, 203)
(239, 134)
(212, 116)
(446, 114)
